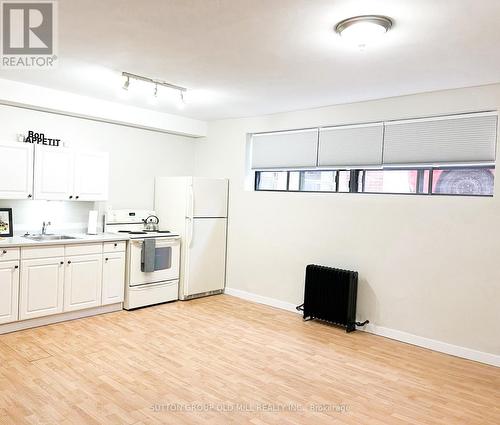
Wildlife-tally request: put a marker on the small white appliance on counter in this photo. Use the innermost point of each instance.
(196, 208)
(153, 257)
(92, 224)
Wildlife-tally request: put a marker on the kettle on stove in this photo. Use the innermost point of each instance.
(151, 223)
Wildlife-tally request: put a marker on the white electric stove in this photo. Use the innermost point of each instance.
(160, 284)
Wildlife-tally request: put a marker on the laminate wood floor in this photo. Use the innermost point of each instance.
(221, 360)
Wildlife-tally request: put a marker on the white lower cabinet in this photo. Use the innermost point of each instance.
(56, 279)
(113, 278)
(9, 291)
(82, 282)
(42, 285)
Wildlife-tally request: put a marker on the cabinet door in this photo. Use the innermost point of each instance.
(53, 173)
(91, 176)
(113, 278)
(16, 171)
(41, 291)
(9, 291)
(82, 282)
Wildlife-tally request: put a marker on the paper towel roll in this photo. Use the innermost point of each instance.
(92, 226)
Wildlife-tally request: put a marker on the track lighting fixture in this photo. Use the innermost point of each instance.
(156, 84)
(182, 103)
(126, 83)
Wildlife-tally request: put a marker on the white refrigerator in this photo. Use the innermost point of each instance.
(196, 208)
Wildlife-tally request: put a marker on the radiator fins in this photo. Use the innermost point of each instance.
(330, 295)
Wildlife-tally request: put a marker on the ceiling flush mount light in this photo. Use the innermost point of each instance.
(362, 30)
(155, 83)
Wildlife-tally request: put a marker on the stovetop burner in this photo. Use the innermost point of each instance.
(145, 232)
(157, 231)
(163, 231)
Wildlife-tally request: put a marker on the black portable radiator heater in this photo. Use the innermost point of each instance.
(330, 295)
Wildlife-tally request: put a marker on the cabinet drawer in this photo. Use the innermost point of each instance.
(83, 249)
(118, 246)
(33, 252)
(9, 254)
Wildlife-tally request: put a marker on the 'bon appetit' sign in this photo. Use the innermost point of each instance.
(40, 139)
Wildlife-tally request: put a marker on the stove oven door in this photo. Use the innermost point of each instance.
(167, 255)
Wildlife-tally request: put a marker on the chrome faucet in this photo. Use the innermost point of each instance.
(44, 227)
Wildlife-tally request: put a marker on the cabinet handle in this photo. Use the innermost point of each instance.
(4, 252)
(16, 267)
(116, 245)
(107, 259)
(62, 262)
(29, 196)
(71, 197)
(69, 262)
(76, 196)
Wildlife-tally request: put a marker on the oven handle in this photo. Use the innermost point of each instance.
(159, 244)
(148, 286)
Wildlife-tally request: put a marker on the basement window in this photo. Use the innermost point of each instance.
(450, 180)
(271, 180)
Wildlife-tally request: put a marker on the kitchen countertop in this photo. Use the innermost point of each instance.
(19, 241)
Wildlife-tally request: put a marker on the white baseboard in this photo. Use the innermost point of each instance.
(420, 341)
(432, 344)
(261, 299)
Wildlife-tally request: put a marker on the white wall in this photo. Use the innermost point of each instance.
(136, 157)
(428, 266)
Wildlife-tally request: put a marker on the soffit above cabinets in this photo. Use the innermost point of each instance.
(65, 103)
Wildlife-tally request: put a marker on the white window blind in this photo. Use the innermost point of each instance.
(287, 149)
(354, 145)
(461, 138)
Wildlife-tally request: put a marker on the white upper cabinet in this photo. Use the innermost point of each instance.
(16, 171)
(64, 174)
(53, 173)
(91, 176)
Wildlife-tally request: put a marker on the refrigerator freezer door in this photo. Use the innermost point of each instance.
(172, 202)
(210, 197)
(204, 256)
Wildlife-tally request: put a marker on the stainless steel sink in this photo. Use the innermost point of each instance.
(48, 237)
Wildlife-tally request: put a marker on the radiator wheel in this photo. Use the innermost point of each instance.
(465, 182)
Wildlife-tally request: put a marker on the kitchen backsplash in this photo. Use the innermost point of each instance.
(28, 215)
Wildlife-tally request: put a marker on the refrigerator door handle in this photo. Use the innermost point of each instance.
(190, 206)
(190, 232)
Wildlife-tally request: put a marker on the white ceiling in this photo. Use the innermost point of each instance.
(252, 57)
